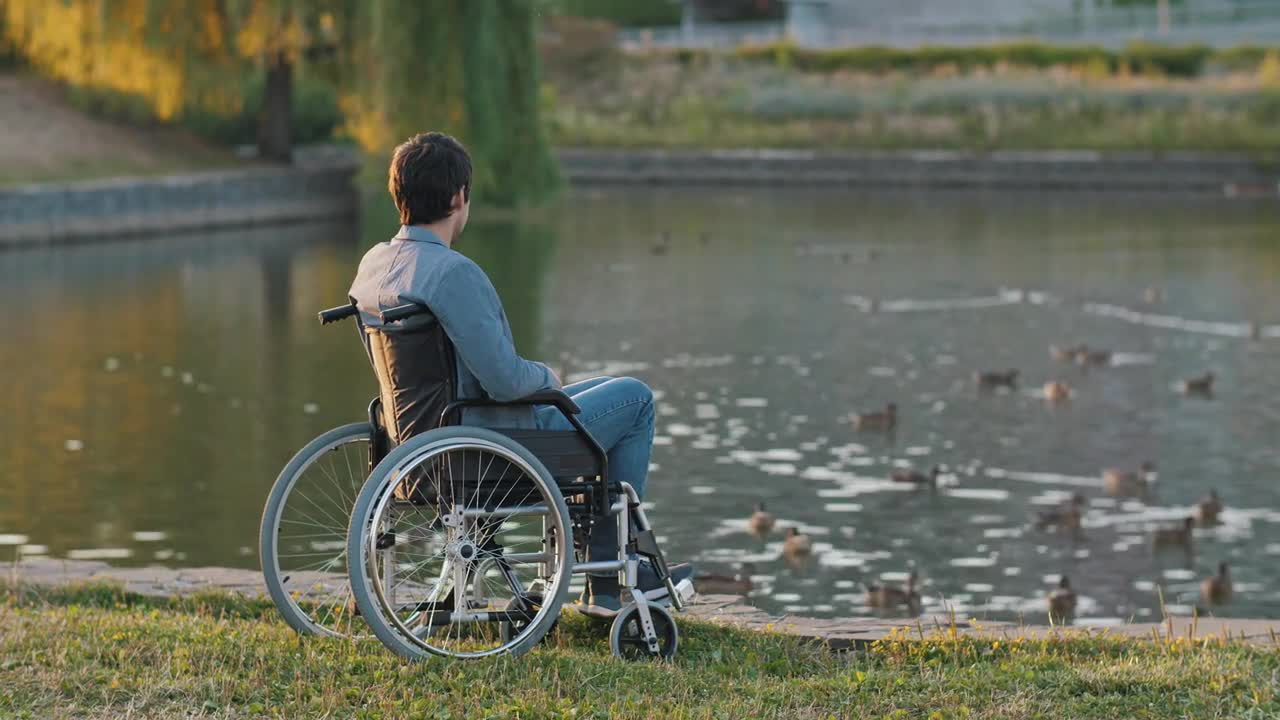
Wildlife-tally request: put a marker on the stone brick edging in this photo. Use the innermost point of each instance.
(318, 186)
(1202, 173)
(836, 633)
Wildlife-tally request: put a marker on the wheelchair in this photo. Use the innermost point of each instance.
(442, 539)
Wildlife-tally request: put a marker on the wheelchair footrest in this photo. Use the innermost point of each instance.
(662, 597)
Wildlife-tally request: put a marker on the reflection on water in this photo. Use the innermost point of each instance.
(157, 386)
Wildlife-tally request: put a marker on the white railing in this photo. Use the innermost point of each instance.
(828, 23)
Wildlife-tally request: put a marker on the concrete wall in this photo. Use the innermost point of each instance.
(315, 188)
(1086, 171)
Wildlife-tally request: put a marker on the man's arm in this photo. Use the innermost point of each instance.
(468, 306)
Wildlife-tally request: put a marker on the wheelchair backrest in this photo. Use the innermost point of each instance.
(416, 371)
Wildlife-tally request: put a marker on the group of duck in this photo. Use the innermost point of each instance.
(1214, 590)
(797, 547)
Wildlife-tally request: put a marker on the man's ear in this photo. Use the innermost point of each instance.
(456, 202)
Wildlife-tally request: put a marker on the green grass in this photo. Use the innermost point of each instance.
(94, 651)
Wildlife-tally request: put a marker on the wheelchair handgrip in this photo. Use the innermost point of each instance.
(400, 312)
(336, 314)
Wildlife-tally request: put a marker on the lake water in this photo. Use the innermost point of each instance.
(153, 388)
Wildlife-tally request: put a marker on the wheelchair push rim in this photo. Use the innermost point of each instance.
(460, 526)
(302, 542)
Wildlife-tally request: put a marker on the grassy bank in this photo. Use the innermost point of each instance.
(48, 139)
(97, 652)
(999, 97)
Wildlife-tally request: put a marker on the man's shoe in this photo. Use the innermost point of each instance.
(602, 597)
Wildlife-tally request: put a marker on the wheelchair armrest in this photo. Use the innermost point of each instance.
(557, 398)
(550, 397)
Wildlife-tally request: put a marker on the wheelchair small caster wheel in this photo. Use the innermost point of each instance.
(512, 629)
(627, 638)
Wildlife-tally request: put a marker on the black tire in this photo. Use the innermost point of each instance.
(626, 635)
(325, 619)
(374, 493)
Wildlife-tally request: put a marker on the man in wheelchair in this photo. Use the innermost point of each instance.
(430, 182)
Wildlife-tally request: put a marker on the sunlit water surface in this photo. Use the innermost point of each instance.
(155, 387)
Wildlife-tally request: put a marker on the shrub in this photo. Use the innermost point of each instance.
(578, 47)
(1244, 57)
(1177, 61)
(1269, 70)
(1185, 61)
(315, 111)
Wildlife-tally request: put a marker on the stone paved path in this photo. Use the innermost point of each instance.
(837, 633)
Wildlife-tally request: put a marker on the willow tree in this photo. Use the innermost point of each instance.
(467, 67)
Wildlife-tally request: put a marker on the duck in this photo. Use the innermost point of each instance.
(1067, 353)
(1062, 602)
(663, 245)
(1066, 517)
(1056, 391)
(797, 544)
(1153, 295)
(995, 379)
(884, 420)
(738, 583)
(1120, 483)
(1093, 357)
(1201, 385)
(761, 521)
(887, 597)
(1216, 589)
(914, 477)
(1208, 508)
(1174, 536)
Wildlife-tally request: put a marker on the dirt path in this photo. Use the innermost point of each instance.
(43, 138)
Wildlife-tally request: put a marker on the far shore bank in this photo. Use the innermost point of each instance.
(1221, 174)
(323, 185)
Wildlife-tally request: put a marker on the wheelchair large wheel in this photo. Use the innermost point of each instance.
(302, 544)
(452, 536)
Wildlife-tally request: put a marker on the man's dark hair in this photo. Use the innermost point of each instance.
(427, 170)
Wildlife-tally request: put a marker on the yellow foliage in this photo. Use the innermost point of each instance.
(267, 32)
(68, 42)
(103, 45)
(1269, 70)
(1096, 69)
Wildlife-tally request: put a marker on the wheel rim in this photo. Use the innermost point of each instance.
(629, 640)
(310, 533)
(446, 556)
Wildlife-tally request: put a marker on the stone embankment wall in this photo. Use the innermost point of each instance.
(318, 186)
(1213, 174)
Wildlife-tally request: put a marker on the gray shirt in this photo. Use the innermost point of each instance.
(416, 266)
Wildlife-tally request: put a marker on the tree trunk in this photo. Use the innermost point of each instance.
(276, 115)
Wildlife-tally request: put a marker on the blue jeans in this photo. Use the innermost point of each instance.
(619, 413)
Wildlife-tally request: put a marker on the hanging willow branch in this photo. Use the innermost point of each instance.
(467, 67)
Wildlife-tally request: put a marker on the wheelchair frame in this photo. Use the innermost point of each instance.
(590, 498)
